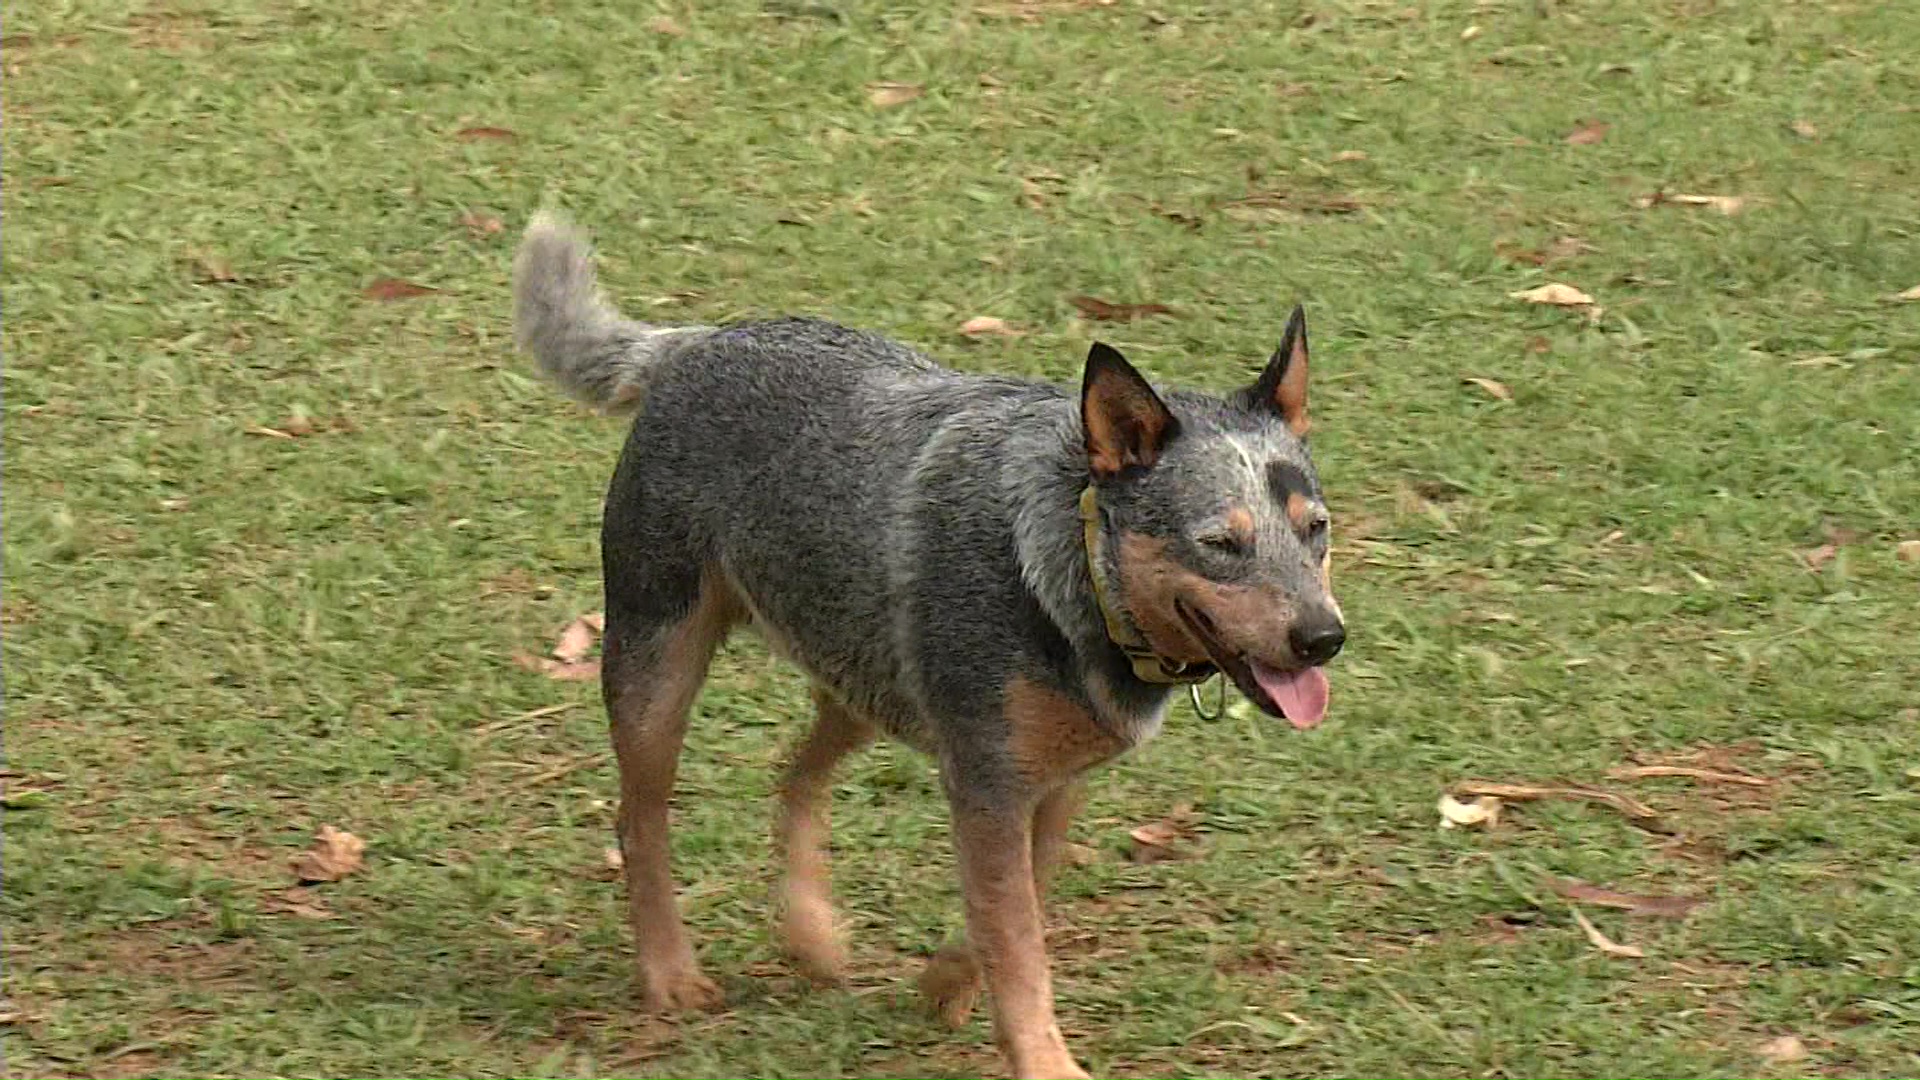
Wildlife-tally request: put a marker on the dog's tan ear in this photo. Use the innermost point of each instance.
(1125, 422)
(1282, 387)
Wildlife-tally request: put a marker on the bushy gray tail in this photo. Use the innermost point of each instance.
(581, 342)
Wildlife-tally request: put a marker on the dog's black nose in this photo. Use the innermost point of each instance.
(1317, 639)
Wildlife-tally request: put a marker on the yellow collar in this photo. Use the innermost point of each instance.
(1148, 666)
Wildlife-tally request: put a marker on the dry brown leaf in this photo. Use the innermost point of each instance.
(1816, 558)
(989, 326)
(271, 433)
(1588, 133)
(1783, 1050)
(1554, 293)
(1455, 814)
(395, 289)
(1639, 772)
(1633, 808)
(1725, 204)
(1493, 387)
(334, 855)
(1470, 33)
(479, 134)
(1908, 294)
(213, 269)
(1538, 345)
(1907, 551)
(885, 95)
(1804, 129)
(664, 24)
(576, 639)
(482, 224)
(1602, 942)
(1350, 155)
(1263, 204)
(1163, 840)
(613, 859)
(299, 902)
(1666, 907)
(1106, 311)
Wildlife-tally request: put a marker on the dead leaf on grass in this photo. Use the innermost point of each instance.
(1633, 808)
(386, 289)
(1554, 293)
(1470, 33)
(1164, 840)
(482, 224)
(483, 133)
(1783, 1050)
(1455, 814)
(1815, 558)
(334, 855)
(1666, 907)
(1350, 155)
(664, 24)
(1804, 129)
(1539, 345)
(1106, 311)
(989, 326)
(578, 671)
(212, 269)
(1602, 942)
(1907, 551)
(1494, 388)
(886, 95)
(576, 639)
(1908, 294)
(1588, 133)
(1712, 776)
(271, 433)
(1262, 204)
(1725, 204)
(302, 903)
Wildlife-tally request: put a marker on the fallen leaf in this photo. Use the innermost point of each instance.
(1494, 388)
(1554, 293)
(212, 269)
(1588, 133)
(1250, 206)
(988, 325)
(1163, 840)
(1538, 344)
(1567, 247)
(564, 671)
(1350, 155)
(1455, 814)
(478, 134)
(1640, 772)
(1633, 808)
(1079, 855)
(480, 224)
(1804, 129)
(301, 903)
(1907, 551)
(613, 859)
(664, 24)
(1816, 558)
(1602, 942)
(1784, 1049)
(298, 425)
(576, 640)
(1470, 33)
(885, 95)
(1105, 311)
(395, 289)
(271, 433)
(1909, 294)
(334, 855)
(1666, 907)
(1726, 204)
(1178, 217)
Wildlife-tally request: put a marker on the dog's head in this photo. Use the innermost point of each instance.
(1216, 538)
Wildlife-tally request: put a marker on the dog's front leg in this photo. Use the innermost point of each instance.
(994, 844)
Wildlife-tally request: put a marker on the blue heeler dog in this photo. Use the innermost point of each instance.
(1007, 578)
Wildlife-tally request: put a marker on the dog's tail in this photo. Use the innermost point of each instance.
(581, 342)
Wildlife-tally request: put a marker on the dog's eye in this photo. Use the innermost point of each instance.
(1224, 543)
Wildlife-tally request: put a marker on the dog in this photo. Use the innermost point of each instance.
(1006, 576)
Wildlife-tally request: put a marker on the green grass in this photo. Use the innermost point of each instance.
(217, 641)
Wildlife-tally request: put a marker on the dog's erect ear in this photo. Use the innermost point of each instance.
(1282, 388)
(1125, 422)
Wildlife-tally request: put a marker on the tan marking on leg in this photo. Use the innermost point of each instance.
(1051, 737)
(648, 712)
(1003, 924)
(801, 836)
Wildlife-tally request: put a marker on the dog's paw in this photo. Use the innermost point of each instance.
(951, 984)
(681, 990)
(816, 946)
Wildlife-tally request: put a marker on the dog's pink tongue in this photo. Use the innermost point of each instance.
(1301, 695)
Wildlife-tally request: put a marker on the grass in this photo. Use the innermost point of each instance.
(217, 641)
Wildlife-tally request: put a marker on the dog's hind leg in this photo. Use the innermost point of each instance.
(805, 794)
(658, 646)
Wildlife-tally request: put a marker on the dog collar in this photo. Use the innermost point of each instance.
(1148, 666)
